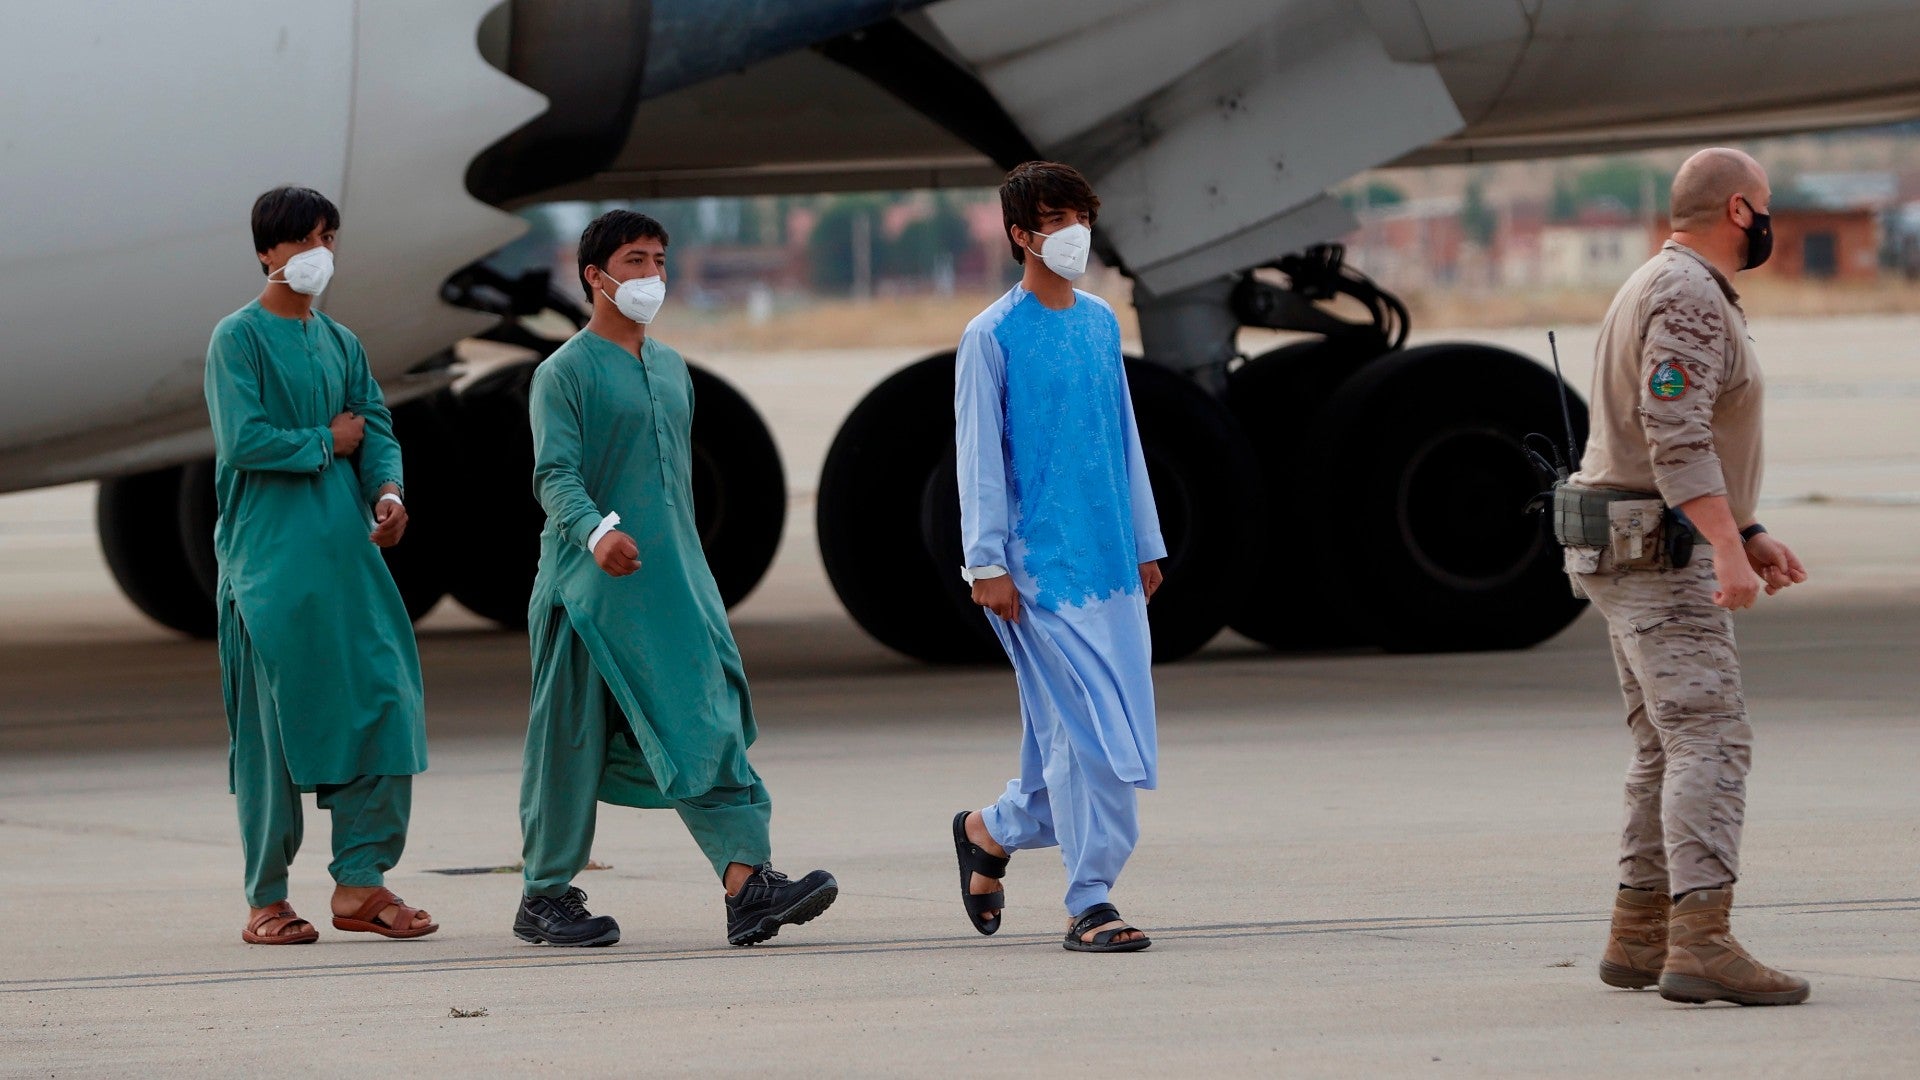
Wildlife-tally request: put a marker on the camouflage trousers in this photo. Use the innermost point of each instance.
(1680, 675)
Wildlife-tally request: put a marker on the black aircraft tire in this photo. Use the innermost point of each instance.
(419, 563)
(1276, 398)
(197, 511)
(873, 520)
(1205, 485)
(499, 520)
(419, 569)
(739, 493)
(888, 514)
(739, 487)
(147, 559)
(940, 532)
(1422, 482)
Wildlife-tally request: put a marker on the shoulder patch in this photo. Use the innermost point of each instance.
(1668, 381)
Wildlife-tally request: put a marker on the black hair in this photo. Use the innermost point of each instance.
(1034, 184)
(609, 233)
(287, 214)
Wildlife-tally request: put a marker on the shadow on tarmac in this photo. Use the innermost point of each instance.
(537, 957)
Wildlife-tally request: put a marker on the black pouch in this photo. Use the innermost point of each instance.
(1678, 538)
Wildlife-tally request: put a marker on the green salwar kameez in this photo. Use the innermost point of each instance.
(319, 668)
(638, 697)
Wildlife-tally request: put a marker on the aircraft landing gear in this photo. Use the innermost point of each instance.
(148, 558)
(473, 528)
(156, 529)
(739, 491)
(739, 487)
(1395, 478)
(1337, 491)
(889, 514)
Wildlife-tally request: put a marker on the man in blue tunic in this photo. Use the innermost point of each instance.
(1062, 546)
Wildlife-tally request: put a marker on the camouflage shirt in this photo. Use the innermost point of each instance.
(1676, 388)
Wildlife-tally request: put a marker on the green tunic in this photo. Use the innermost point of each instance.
(612, 434)
(301, 587)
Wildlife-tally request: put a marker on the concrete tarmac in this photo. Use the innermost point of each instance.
(1358, 864)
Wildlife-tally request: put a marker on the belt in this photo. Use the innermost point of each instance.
(1580, 514)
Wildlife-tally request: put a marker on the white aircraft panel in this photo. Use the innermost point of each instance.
(133, 140)
(1422, 30)
(1064, 86)
(1476, 44)
(1700, 59)
(1257, 133)
(1313, 222)
(425, 104)
(990, 32)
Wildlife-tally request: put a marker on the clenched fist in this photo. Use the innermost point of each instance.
(617, 554)
(998, 595)
(389, 521)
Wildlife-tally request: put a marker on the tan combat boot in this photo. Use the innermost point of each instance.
(1704, 963)
(1637, 947)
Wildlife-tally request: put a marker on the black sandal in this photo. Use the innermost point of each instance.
(1099, 915)
(975, 860)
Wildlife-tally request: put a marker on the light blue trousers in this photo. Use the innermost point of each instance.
(1091, 814)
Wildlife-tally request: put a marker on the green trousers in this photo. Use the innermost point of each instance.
(579, 744)
(369, 814)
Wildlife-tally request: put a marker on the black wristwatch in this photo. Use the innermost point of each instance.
(1747, 534)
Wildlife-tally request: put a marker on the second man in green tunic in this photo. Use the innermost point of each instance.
(638, 694)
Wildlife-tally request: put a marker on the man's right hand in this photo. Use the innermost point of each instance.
(1775, 562)
(617, 554)
(1739, 585)
(998, 595)
(348, 430)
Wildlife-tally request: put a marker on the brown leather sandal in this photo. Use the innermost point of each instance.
(278, 925)
(367, 919)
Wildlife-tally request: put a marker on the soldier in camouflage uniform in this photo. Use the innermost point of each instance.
(1676, 421)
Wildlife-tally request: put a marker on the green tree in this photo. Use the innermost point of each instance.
(1623, 180)
(1374, 194)
(830, 246)
(1477, 219)
(681, 217)
(924, 244)
(1565, 205)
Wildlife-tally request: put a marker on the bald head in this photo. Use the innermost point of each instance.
(1705, 185)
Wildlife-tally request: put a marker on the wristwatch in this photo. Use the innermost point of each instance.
(1747, 534)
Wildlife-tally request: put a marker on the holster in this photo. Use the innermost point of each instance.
(1678, 536)
(1637, 528)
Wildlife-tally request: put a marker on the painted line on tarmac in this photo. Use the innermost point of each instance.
(532, 958)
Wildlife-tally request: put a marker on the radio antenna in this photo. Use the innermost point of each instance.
(1566, 415)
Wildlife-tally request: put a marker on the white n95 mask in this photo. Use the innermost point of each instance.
(308, 272)
(1065, 251)
(639, 299)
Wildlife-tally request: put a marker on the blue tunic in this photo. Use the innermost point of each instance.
(1053, 487)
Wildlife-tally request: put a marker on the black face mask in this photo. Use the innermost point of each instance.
(1759, 237)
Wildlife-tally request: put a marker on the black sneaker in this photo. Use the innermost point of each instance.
(563, 920)
(770, 900)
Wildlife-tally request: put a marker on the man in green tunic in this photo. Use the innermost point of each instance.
(317, 658)
(638, 694)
